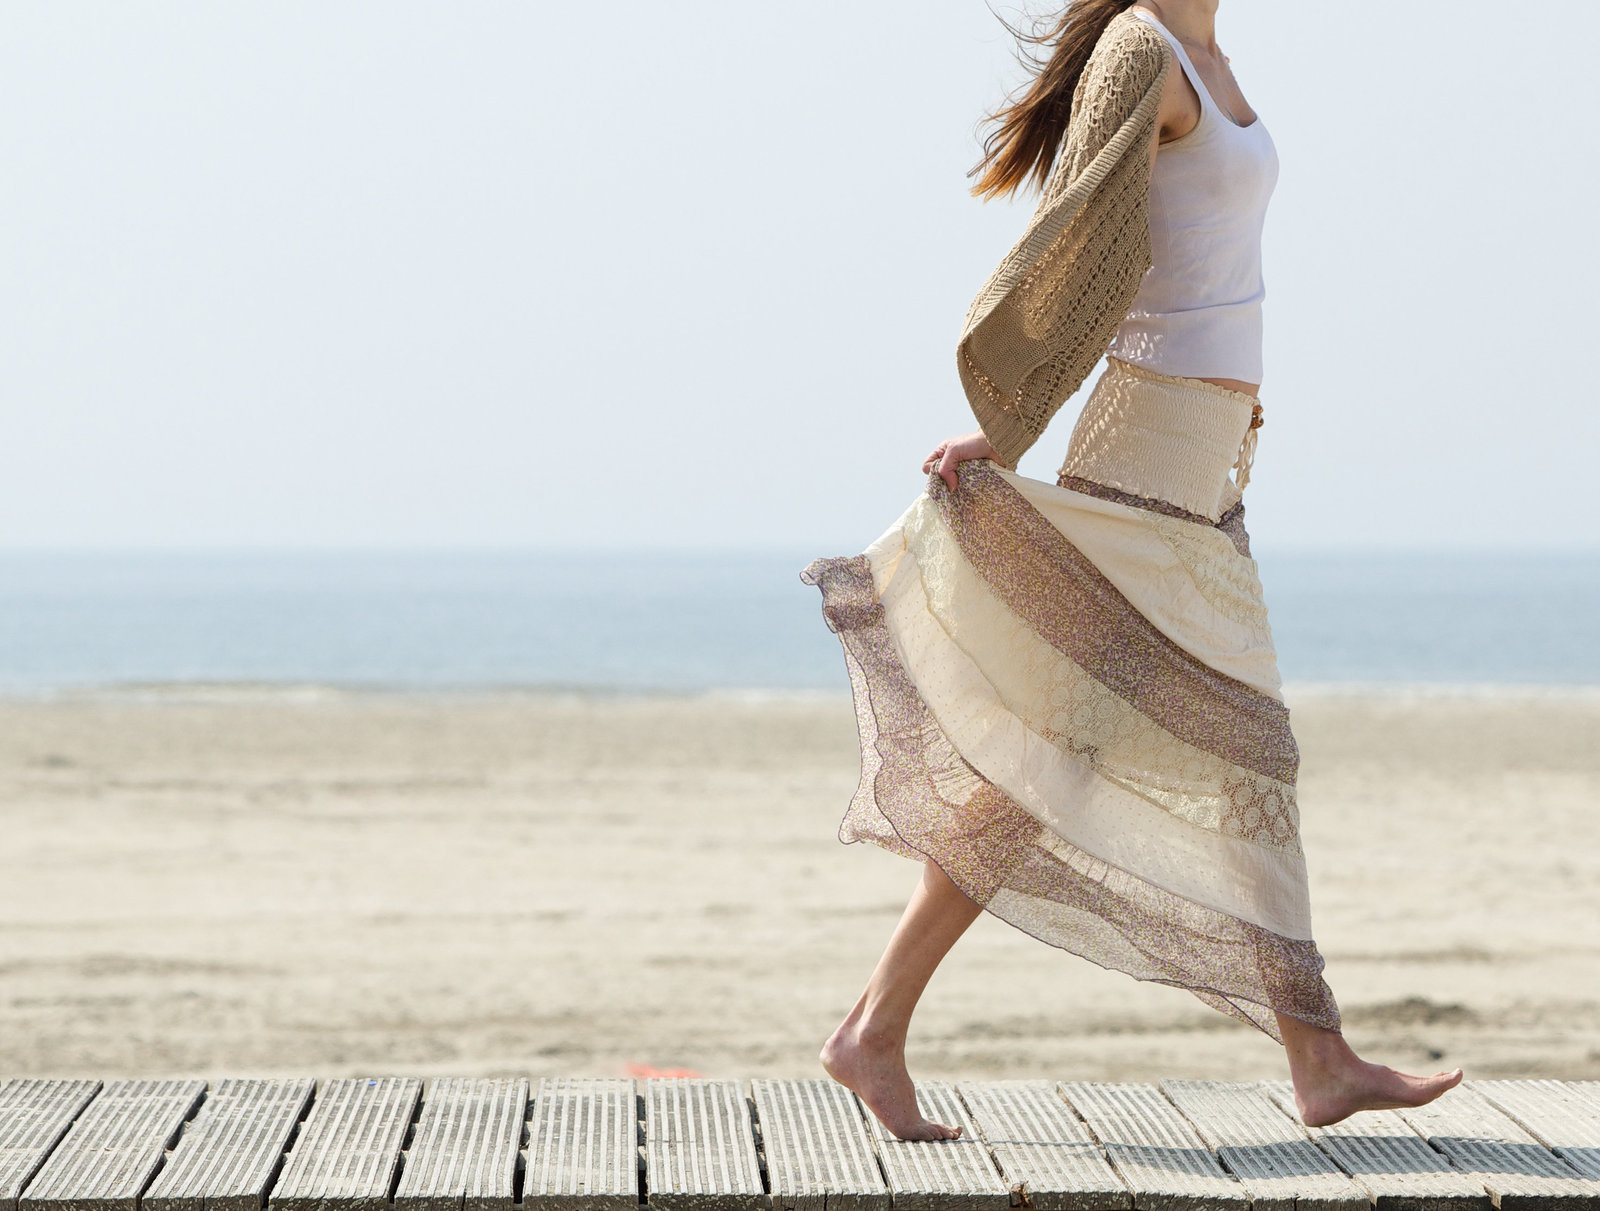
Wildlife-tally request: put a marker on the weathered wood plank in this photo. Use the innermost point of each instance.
(583, 1146)
(230, 1153)
(1154, 1149)
(1556, 1114)
(939, 1175)
(1390, 1161)
(1523, 1144)
(349, 1147)
(700, 1147)
(463, 1155)
(34, 1115)
(1517, 1170)
(819, 1152)
(1044, 1151)
(1270, 1153)
(109, 1154)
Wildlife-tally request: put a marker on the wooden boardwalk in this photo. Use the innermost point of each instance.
(704, 1145)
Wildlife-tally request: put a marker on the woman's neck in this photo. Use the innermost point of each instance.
(1193, 21)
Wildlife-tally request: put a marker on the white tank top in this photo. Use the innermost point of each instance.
(1198, 310)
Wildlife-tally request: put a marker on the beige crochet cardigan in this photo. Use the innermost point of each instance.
(1048, 313)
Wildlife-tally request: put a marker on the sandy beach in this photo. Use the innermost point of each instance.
(233, 881)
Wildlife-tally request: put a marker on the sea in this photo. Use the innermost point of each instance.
(699, 621)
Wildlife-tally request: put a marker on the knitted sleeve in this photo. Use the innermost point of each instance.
(1049, 311)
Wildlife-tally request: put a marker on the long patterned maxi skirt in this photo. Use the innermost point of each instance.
(1068, 699)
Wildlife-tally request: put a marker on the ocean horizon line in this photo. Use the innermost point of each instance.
(1531, 549)
(225, 691)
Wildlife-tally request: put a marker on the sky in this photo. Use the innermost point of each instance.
(690, 274)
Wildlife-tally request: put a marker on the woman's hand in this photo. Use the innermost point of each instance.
(949, 454)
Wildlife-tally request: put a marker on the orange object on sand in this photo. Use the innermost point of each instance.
(645, 1070)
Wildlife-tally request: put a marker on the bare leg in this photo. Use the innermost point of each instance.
(1332, 1082)
(867, 1053)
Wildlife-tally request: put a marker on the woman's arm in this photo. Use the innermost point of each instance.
(1048, 312)
(1178, 115)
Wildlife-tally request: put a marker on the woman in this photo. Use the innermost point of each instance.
(1069, 703)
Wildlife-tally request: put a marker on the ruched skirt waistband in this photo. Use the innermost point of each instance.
(1165, 438)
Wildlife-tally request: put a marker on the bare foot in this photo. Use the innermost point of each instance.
(1335, 1093)
(876, 1073)
(1332, 1082)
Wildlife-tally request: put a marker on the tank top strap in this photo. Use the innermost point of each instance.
(1187, 64)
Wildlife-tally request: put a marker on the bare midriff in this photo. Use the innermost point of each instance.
(1233, 384)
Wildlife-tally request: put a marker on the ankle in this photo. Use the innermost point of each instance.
(1316, 1044)
(873, 1034)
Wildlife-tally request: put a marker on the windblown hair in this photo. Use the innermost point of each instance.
(1028, 128)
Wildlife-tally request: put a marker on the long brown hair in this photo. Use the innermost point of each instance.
(1028, 128)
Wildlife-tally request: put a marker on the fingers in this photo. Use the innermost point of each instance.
(946, 457)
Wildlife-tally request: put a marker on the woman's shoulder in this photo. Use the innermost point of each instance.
(1129, 47)
(1128, 62)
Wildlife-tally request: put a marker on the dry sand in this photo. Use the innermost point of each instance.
(216, 882)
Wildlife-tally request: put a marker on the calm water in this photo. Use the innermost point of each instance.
(699, 621)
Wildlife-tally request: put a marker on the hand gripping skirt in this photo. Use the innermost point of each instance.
(1068, 699)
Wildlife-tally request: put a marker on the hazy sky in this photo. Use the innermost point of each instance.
(684, 273)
